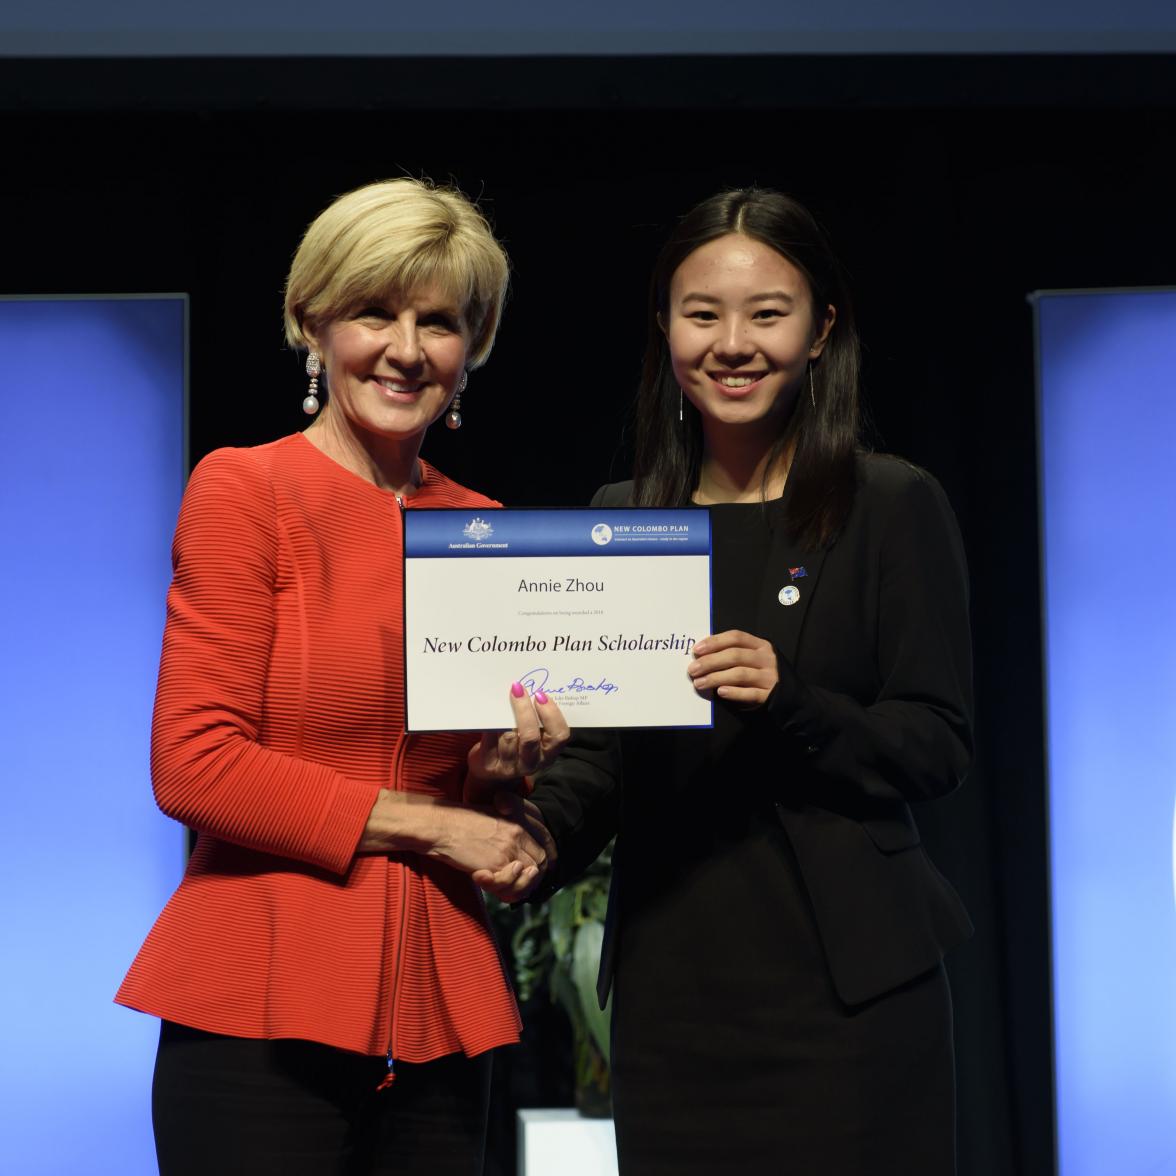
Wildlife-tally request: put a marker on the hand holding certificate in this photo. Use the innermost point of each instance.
(539, 731)
(597, 609)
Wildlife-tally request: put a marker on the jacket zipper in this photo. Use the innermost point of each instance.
(402, 936)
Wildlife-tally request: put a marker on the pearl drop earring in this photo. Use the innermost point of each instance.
(314, 367)
(453, 416)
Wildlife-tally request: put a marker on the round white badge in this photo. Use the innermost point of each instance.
(789, 594)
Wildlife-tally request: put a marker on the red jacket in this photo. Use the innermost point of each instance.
(279, 714)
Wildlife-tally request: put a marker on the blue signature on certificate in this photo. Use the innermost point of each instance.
(536, 680)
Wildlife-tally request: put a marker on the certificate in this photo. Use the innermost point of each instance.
(599, 609)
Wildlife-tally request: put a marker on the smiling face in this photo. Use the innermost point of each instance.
(741, 331)
(392, 367)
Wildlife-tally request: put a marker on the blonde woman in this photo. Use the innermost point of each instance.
(327, 981)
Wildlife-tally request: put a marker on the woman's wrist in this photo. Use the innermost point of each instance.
(401, 822)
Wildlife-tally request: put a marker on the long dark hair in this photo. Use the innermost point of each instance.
(822, 477)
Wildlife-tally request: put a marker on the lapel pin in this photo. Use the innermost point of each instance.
(797, 573)
(789, 595)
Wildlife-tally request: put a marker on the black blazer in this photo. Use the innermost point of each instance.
(872, 712)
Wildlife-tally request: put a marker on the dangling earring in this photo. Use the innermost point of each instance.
(812, 392)
(681, 397)
(453, 416)
(314, 367)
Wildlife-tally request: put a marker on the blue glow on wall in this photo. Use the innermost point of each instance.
(90, 484)
(1107, 386)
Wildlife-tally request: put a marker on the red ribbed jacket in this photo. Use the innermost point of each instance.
(279, 713)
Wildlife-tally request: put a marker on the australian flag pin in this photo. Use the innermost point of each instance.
(797, 573)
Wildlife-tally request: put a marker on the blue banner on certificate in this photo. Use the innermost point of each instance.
(600, 609)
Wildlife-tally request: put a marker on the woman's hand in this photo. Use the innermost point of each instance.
(525, 813)
(507, 851)
(503, 757)
(737, 666)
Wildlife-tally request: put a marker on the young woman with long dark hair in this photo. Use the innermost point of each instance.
(776, 929)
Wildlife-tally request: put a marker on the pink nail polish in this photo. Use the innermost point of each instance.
(541, 697)
(516, 688)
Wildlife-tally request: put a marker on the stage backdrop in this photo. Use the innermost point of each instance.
(90, 481)
(1107, 399)
(63, 28)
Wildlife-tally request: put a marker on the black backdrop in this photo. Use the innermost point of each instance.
(953, 188)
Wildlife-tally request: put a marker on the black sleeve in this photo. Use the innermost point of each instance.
(579, 794)
(914, 742)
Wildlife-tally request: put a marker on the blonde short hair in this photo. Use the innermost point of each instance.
(396, 236)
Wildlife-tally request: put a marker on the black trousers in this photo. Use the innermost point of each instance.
(231, 1106)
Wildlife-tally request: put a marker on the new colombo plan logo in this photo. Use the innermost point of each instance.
(477, 529)
(601, 534)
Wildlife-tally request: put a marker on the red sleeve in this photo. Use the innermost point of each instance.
(208, 769)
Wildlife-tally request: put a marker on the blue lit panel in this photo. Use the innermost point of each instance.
(1107, 386)
(90, 482)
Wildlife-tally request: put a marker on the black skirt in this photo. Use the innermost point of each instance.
(733, 1054)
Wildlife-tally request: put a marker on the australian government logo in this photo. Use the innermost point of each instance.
(477, 529)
